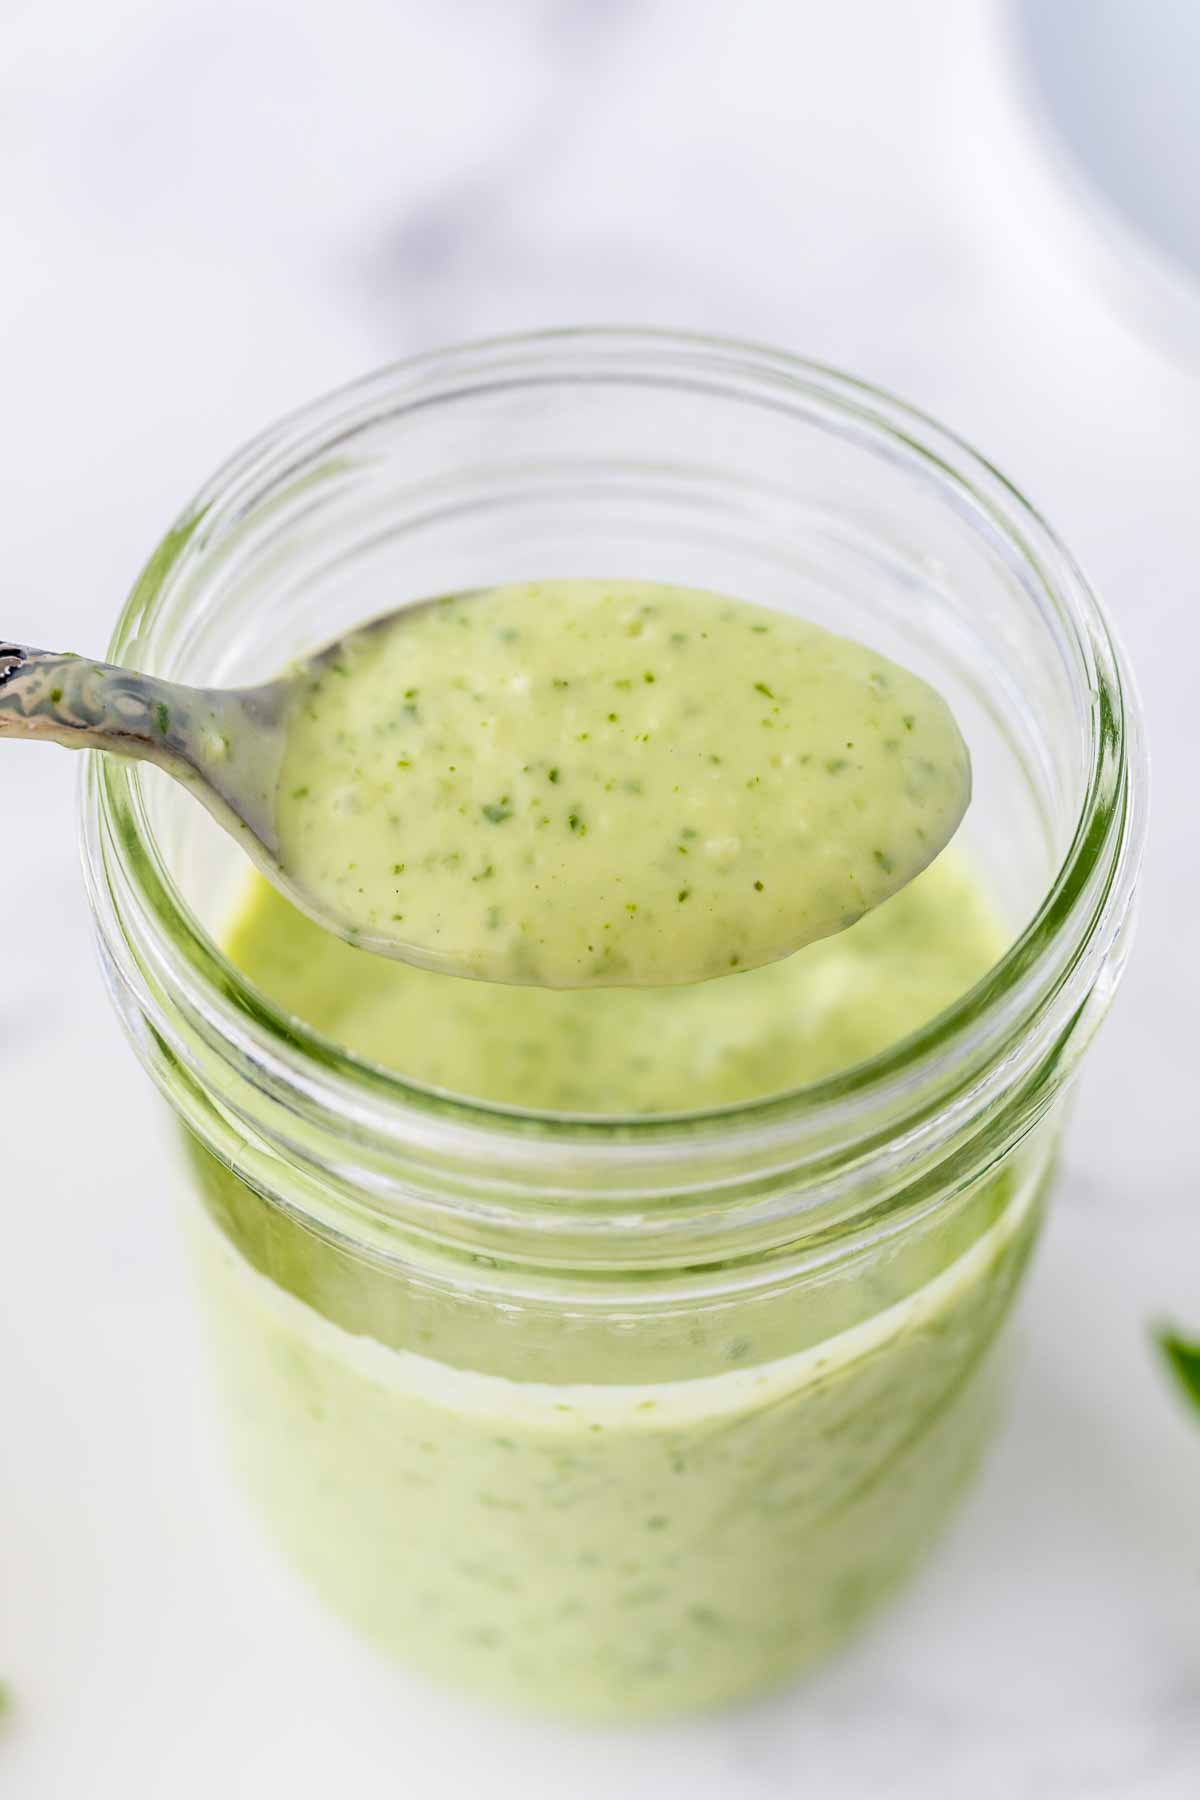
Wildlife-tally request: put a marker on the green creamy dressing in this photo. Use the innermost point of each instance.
(635, 1050)
(566, 1498)
(602, 784)
(593, 1510)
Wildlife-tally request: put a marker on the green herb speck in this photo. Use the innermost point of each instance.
(496, 811)
(55, 696)
(162, 718)
(577, 825)
(760, 687)
(683, 894)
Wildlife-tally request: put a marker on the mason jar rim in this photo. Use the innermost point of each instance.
(787, 1158)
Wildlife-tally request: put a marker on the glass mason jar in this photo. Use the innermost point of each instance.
(620, 1415)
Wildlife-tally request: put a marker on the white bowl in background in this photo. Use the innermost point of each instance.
(1113, 89)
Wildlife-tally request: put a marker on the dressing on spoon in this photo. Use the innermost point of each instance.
(599, 784)
(558, 783)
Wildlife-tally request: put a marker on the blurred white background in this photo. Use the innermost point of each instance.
(211, 211)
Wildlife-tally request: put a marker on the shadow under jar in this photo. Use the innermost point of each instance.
(623, 1415)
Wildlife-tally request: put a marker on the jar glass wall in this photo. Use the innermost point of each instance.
(616, 1415)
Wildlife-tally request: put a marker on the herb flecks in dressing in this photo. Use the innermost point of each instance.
(611, 784)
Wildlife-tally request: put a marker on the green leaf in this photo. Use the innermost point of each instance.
(1183, 1356)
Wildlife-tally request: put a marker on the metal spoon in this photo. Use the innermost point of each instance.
(225, 744)
(234, 748)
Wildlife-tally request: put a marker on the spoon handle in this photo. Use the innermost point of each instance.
(85, 705)
(226, 745)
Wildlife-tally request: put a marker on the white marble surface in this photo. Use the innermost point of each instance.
(212, 210)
